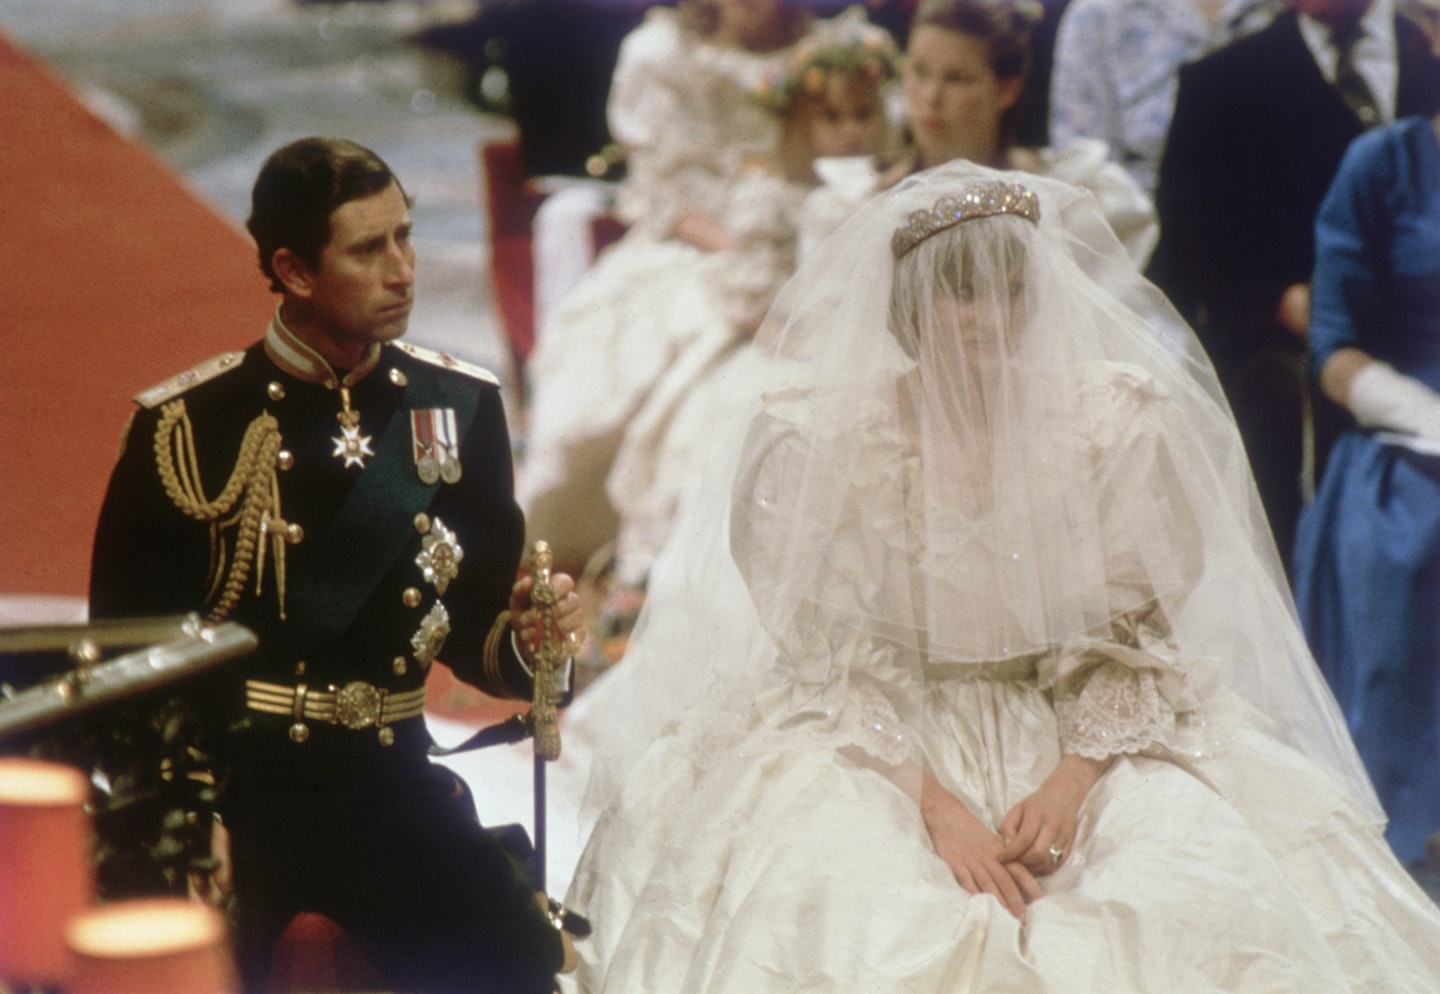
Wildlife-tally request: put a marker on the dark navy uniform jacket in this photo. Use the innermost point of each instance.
(152, 559)
(238, 493)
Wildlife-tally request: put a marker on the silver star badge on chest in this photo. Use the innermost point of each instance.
(430, 639)
(440, 556)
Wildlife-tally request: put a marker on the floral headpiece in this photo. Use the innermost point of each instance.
(985, 199)
(847, 43)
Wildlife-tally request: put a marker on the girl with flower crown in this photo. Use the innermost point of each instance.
(829, 95)
(974, 669)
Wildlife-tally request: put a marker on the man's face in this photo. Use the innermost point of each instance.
(363, 286)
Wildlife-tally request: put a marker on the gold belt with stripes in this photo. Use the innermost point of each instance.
(356, 705)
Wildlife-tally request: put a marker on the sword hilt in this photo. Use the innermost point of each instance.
(549, 654)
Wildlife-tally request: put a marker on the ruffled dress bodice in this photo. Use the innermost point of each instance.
(1115, 686)
(681, 106)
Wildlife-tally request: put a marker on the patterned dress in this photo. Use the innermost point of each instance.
(1116, 71)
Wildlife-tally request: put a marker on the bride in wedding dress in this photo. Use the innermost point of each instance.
(976, 670)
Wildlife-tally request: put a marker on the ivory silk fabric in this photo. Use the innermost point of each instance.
(986, 507)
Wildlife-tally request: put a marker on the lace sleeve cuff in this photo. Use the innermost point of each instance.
(1118, 710)
(1115, 699)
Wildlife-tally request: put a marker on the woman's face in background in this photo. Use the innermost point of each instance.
(955, 101)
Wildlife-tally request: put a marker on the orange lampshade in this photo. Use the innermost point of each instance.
(45, 871)
(149, 946)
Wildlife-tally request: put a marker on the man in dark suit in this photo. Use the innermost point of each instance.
(348, 497)
(1257, 135)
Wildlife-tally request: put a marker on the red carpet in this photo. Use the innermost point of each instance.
(116, 276)
(447, 697)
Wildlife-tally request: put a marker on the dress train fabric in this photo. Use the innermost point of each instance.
(779, 869)
(985, 508)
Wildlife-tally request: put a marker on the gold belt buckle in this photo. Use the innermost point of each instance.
(357, 705)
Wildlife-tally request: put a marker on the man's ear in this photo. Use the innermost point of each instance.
(292, 272)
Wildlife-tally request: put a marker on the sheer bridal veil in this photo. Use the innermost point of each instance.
(978, 443)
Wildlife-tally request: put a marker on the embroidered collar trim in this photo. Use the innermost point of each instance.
(301, 361)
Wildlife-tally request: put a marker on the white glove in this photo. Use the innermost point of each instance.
(1387, 400)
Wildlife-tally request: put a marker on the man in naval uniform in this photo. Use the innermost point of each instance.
(347, 496)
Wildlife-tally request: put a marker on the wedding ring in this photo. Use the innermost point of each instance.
(1056, 854)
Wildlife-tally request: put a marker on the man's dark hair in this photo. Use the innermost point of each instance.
(300, 186)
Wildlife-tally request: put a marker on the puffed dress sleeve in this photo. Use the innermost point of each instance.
(1086, 164)
(838, 678)
(1124, 689)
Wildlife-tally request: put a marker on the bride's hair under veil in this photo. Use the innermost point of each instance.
(988, 446)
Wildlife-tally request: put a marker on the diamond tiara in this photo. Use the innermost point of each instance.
(977, 200)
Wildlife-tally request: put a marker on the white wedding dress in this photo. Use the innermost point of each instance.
(768, 855)
(973, 556)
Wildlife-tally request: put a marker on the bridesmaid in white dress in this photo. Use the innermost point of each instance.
(981, 673)
(681, 106)
(829, 94)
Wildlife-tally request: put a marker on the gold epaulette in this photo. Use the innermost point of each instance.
(176, 385)
(447, 361)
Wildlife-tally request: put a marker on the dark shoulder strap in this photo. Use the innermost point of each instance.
(376, 522)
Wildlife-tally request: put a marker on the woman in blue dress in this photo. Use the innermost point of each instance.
(1367, 560)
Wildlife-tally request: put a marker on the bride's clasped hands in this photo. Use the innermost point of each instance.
(973, 852)
(1040, 830)
(1033, 841)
